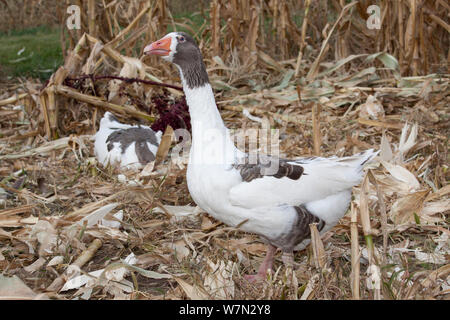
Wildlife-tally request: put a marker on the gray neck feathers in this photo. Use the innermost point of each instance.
(194, 72)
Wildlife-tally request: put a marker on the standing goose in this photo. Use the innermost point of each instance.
(241, 191)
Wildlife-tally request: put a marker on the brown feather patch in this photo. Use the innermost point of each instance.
(263, 167)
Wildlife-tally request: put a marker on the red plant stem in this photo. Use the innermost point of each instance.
(128, 80)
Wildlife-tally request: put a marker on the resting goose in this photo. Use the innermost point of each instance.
(124, 145)
(277, 204)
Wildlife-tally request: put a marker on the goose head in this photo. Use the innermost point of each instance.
(181, 49)
(175, 47)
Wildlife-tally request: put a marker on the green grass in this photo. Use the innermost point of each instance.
(195, 21)
(41, 54)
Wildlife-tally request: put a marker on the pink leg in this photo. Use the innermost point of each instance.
(265, 265)
(288, 259)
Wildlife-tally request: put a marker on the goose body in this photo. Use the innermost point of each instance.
(220, 184)
(124, 145)
(274, 198)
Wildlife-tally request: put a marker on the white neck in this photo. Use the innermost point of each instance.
(203, 108)
(211, 142)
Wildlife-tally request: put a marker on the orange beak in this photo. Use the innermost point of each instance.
(160, 47)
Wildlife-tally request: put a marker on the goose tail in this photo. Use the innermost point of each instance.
(359, 160)
(367, 156)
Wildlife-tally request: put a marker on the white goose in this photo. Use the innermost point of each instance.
(276, 204)
(123, 145)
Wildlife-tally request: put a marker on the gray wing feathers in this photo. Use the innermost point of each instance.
(138, 135)
(300, 229)
(268, 166)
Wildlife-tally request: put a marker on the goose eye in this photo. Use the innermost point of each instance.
(181, 39)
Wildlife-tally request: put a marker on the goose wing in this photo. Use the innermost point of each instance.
(297, 181)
